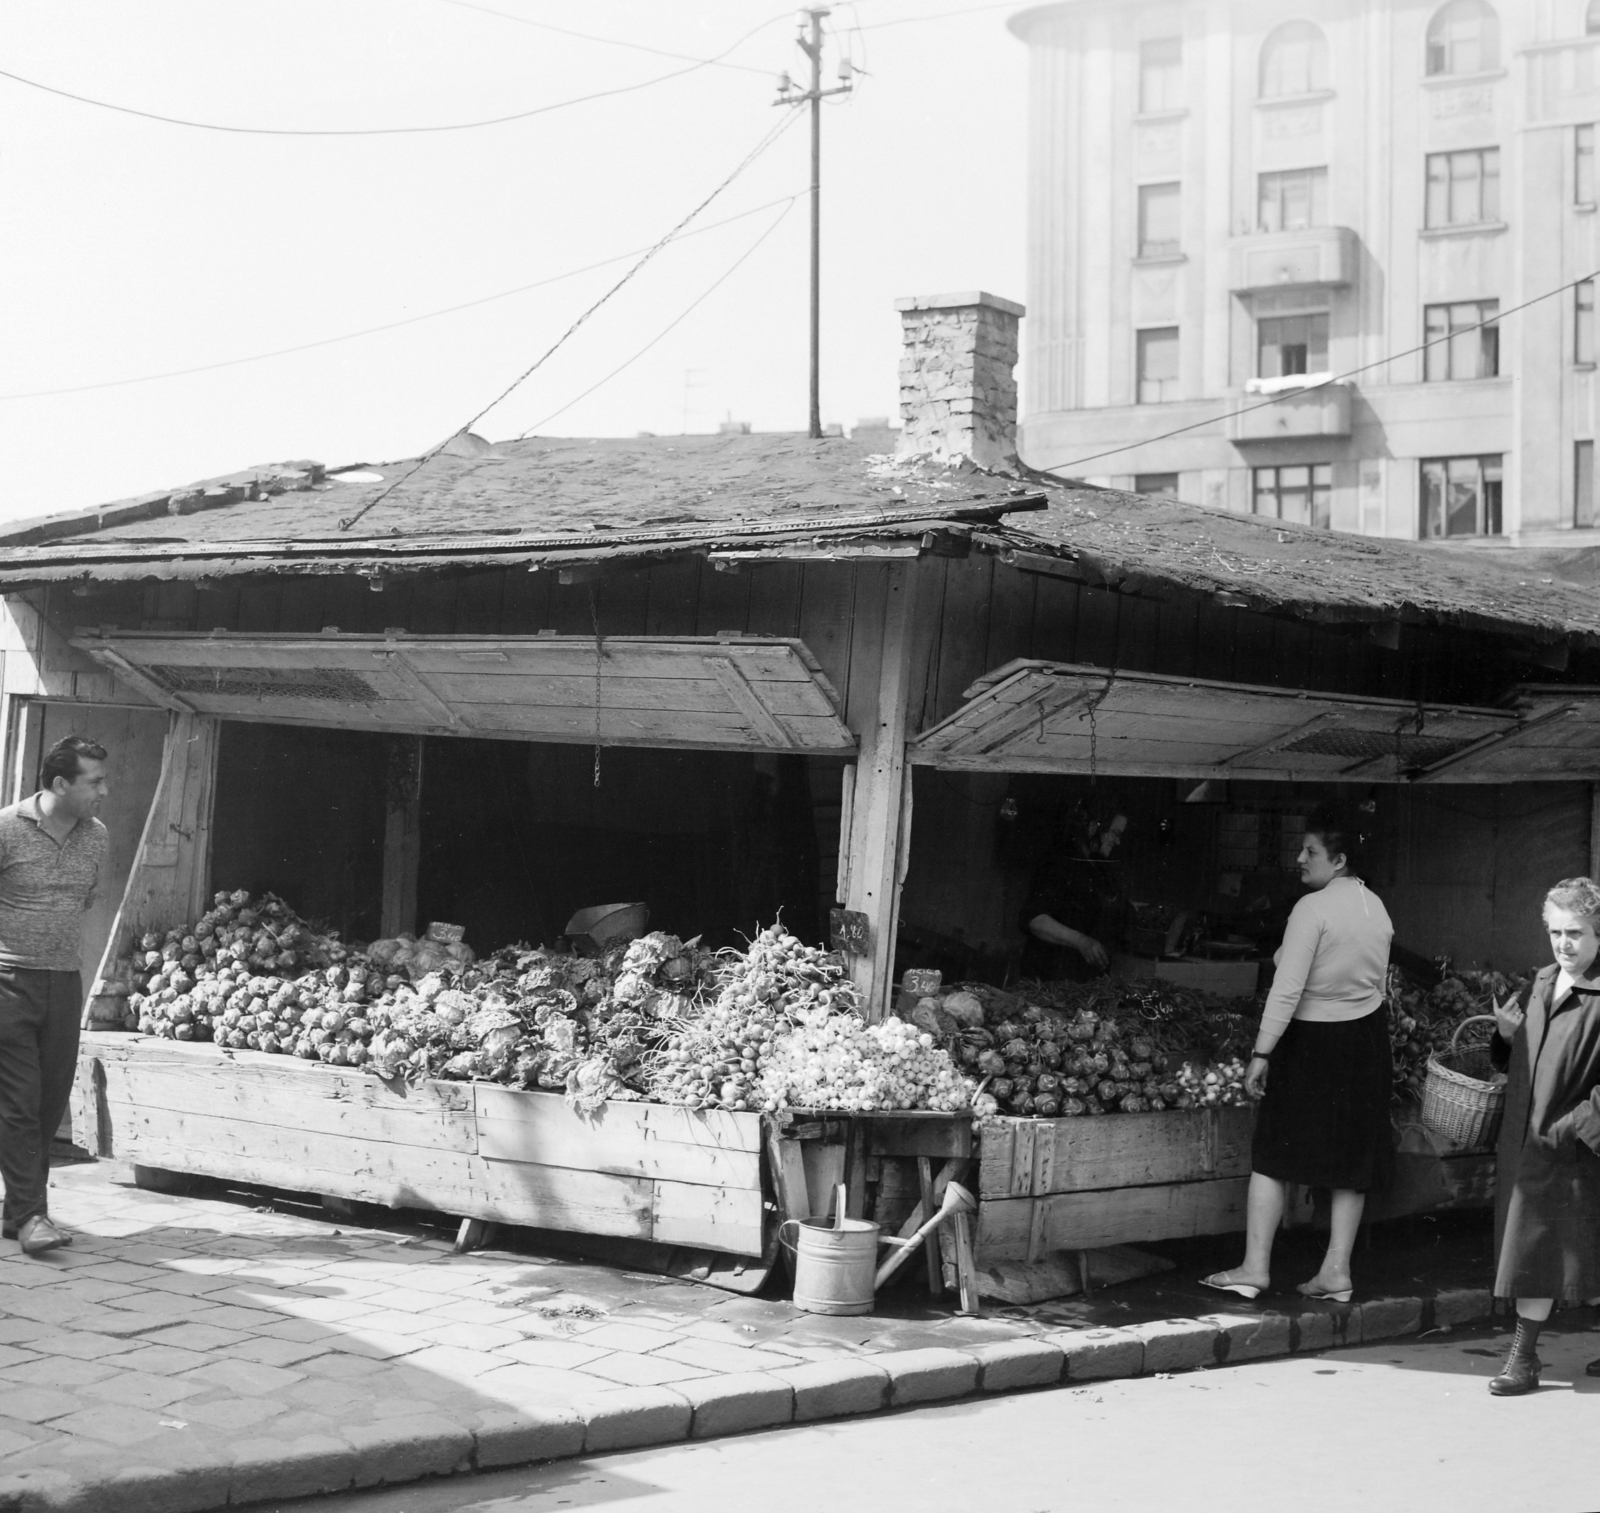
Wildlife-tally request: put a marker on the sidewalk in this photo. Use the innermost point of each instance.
(189, 1354)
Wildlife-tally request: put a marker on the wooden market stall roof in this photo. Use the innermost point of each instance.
(1053, 717)
(710, 693)
(582, 504)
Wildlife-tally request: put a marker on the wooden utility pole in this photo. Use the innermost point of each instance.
(811, 46)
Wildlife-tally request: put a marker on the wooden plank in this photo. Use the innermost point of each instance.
(136, 678)
(827, 620)
(358, 1107)
(710, 1129)
(490, 684)
(402, 835)
(709, 1218)
(550, 656)
(824, 1164)
(542, 1130)
(1117, 1151)
(920, 1137)
(878, 809)
(417, 686)
(926, 1207)
(300, 1160)
(747, 701)
(1114, 1216)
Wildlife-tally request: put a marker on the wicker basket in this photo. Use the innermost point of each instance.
(1463, 1096)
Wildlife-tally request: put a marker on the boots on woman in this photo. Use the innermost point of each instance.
(1521, 1371)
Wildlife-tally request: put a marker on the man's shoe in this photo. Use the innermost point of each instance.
(8, 1231)
(38, 1235)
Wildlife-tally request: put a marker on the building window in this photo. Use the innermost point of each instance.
(1158, 220)
(1158, 365)
(1303, 493)
(1294, 61)
(1464, 187)
(1161, 74)
(1461, 496)
(1591, 18)
(1463, 38)
(1292, 200)
(1583, 155)
(1290, 344)
(1583, 483)
(1463, 341)
(1583, 352)
(1162, 485)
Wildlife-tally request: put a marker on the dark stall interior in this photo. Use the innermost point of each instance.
(299, 812)
(517, 836)
(1461, 868)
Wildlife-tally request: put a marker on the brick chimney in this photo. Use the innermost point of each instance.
(958, 398)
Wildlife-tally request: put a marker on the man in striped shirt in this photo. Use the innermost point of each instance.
(52, 852)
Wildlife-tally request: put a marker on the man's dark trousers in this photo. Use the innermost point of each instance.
(39, 1016)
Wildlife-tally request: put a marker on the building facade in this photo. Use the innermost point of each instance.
(1233, 201)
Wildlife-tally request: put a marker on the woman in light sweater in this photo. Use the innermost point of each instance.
(1321, 1065)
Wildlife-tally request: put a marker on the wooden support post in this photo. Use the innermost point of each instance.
(925, 1181)
(1594, 830)
(788, 1169)
(402, 835)
(966, 1264)
(879, 835)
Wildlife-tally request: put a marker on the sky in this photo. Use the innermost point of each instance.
(135, 248)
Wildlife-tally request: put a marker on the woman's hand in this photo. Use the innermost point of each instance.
(1508, 1017)
(1255, 1077)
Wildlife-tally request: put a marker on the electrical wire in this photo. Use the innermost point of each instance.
(677, 321)
(393, 325)
(1336, 378)
(969, 10)
(767, 139)
(641, 47)
(390, 131)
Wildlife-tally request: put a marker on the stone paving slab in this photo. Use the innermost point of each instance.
(186, 1354)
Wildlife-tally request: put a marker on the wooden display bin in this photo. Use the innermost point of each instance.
(1117, 1179)
(642, 1171)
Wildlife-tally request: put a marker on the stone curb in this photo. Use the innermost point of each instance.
(402, 1450)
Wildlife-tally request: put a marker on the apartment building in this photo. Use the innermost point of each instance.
(1232, 201)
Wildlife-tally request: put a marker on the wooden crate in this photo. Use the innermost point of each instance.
(1120, 1179)
(639, 1170)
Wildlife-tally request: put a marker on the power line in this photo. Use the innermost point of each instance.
(1336, 378)
(969, 10)
(393, 325)
(389, 131)
(755, 152)
(677, 321)
(641, 47)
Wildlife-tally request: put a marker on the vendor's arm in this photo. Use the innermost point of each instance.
(1050, 930)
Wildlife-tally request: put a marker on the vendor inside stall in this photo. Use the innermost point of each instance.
(1073, 915)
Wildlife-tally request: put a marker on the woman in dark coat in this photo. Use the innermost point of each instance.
(1547, 1204)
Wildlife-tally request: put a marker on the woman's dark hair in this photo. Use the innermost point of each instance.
(65, 759)
(1339, 830)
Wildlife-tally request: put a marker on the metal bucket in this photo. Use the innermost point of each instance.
(835, 1266)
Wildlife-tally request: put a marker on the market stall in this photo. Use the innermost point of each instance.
(744, 678)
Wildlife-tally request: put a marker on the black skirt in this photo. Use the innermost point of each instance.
(1324, 1121)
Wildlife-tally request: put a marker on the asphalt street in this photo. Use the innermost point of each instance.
(1392, 1426)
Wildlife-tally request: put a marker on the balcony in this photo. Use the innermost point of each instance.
(1318, 257)
(1297, 413)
